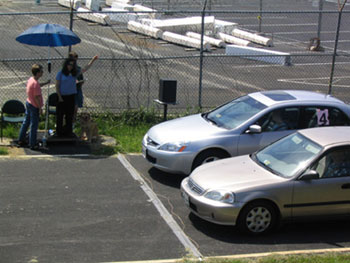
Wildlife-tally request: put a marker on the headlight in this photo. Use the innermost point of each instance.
(173, 147)
(221, 196)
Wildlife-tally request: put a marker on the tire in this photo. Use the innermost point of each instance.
(257, 218)
(208, 156)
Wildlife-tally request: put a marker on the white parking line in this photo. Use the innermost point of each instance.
(183, 238)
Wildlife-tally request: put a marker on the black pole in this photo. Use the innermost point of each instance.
(165, 111)
(334, 53)
(71, 21)
(201, 58)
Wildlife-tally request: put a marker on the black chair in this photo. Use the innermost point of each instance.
(51, 104)
(13, 112)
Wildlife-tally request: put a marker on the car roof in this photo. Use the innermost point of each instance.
(328, 135)
(282, 96)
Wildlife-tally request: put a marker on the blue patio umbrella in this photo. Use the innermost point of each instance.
(48, 35)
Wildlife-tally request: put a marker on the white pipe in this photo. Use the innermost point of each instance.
(67, 3)
(222, 26)
(233, 40)
(184, 40)
(252, 37)
(182, 25)
(210, 40)
(84, 13)
(140, 8)
(145, 30)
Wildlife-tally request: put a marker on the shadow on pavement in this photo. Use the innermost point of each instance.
(172, 180)
(331, 232)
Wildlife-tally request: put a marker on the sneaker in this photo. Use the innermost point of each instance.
(36, 147)
(21, 144)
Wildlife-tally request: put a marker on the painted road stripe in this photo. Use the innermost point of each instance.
(253, 255)
(161, 209)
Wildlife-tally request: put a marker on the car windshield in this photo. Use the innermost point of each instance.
(289, 155)
(234, 113)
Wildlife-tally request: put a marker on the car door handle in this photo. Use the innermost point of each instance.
(345, 186)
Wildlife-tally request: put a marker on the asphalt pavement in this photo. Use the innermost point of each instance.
(78, 209)
(85, 208)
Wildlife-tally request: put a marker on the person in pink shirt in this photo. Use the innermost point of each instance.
(34, 105)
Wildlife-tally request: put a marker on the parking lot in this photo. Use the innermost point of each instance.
(80, 208)
(74, 207)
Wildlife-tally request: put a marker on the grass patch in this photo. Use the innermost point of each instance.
(127, 128)
(4, 151)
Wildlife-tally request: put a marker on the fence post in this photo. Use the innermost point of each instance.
(334, 53)
(71, 21)
(260, 16)
(320, 7)
(201, 58)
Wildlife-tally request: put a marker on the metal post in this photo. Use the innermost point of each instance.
(260, 16)
(71, 21)
(334, 53)
(320, 7)
(165, 111)
(201, 58)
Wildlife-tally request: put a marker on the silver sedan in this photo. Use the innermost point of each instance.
(304, 175)
(238, 127)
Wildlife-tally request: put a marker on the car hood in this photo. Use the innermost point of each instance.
(233, 174)
(183, 129)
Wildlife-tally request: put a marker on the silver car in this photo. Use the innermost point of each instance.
(238, 127)
(304, 175)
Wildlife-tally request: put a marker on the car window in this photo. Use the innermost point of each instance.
(317, 116)
(280, 119)
(289, 155)
(234, 113)
(335, 163)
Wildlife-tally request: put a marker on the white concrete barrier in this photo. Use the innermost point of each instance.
(269, 56)
(122, 16)
(185, 41)
(110, 2)
(210, 40)
(152, 13)
(93, 5)
(123, 6)
(182, 25)
(145, 30)
(221, 26)
(86, 14)
(234, 40)
(67, 3)
(252, 37)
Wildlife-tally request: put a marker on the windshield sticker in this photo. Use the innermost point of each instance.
(218, 115)
(296, 139)
(312, 149)
(322, 117)
(267, 162)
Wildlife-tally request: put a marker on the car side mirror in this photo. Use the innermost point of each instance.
(254, 129)
(309, 175)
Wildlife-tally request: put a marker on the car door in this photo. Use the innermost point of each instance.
(274, 125)
(330, 193)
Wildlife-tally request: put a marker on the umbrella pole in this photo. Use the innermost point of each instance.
(47, 101)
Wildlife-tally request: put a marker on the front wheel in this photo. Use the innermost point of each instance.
(208, 156)
(257, 218)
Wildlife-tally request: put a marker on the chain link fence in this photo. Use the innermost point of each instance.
(130, 65)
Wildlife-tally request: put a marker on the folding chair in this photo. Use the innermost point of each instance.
(51, 104)
(12, 111)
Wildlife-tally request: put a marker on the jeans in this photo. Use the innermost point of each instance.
(32, 119)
